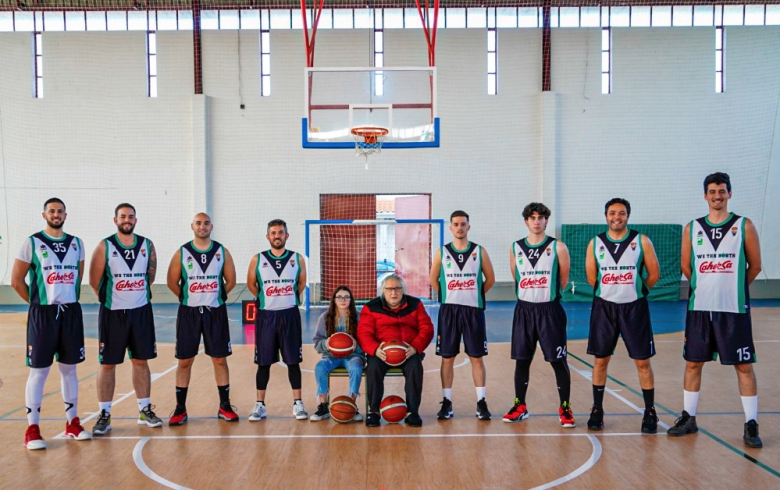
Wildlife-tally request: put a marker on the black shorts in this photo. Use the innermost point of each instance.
(126, 329)
(539, 322)
(278, 330)
(460, 320)
(709, 334)
(211, 322)
(55, 331)
(609, 320)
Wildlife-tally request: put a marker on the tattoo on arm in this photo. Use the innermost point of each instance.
(151, 270)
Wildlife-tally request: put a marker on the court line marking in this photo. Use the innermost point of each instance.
(703, 431)
(138, 459)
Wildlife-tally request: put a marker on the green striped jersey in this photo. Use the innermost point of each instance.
(53, 275)
(460, 279)
(202, 282)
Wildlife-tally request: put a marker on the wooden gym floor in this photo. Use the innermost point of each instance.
(281, 452)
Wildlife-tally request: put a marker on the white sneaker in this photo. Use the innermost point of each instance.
(299, 412)
(258, 413)
(357, 417)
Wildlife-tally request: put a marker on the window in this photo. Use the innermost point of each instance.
(151, 63)
(606, 60)
(492, 61)
(379, 53)
(37, 66)
(265, 53)
(720, 85)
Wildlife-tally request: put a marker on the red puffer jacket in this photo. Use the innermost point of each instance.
(409, 323)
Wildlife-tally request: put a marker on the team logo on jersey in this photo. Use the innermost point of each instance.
(114, 254)
(292, 263)
(126, 285)
(449, 263)
(700, 241)
(474, 256)
(549, 251)
(45, 254)
(143, 252)
(456, 285)
(533, 283)
(627, 278)
(520, 259)
(73, 245)
(279, 291)
(633, 245)
(601, 252)
(734, 231)
(61, 278)
(29, 351)
(204, 287)
(218, 256)
(265, 264)
(708, 267)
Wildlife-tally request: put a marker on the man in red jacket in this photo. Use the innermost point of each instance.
(394, 316)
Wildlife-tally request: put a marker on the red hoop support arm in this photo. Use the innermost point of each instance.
(309, 40)
(430, 32)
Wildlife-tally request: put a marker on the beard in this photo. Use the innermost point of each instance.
(122, 229)
(279, 246)
(56, 226)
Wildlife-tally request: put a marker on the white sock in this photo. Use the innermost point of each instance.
(70, 390)
(143, 403)
(481, 390)
(105, 406)
(690, 402)
(750, 405)
(447, 392)
(33, 393)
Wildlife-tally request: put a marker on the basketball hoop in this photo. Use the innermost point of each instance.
(368, 140)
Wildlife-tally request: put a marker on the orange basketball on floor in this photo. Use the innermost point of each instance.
(393, 409)
(342, 409)
(395, 350)
(341, 344)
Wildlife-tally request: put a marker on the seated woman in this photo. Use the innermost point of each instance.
(340, 317)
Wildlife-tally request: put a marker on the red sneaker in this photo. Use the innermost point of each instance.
(518, 412)
(76, 431)
(229, 414)
(33, 439)
(564, 412)
(178, 418)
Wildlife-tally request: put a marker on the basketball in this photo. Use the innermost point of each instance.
(393, 409)
(395, 350)
(341, 344)
(342, 409)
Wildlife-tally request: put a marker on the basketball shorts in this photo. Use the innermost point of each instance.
(275, 331)
(210, 322)
(131, 330)
(55, 331)
(544, 323)
(709, 334)
(456, 321)
(609, 320)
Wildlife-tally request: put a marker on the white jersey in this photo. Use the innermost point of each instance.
(620, 265)
(125, 284)
(54, 268)
(460, 279)
(718, 266)
(537, 278)
(202, 282)
(278, 280)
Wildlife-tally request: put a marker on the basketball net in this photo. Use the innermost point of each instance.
(368, 140)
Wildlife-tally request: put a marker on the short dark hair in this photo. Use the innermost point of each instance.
(717, 178)
(618, 200)
(459, 212)
(536, 207)
(53, 200)
(276, 222)
(123, 205)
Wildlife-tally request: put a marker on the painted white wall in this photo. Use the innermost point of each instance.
(96, 139)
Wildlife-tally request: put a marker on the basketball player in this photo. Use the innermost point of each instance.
(721, 256)
(277, 277)
(615, 261)
(202, 274)
(461, 274)
(54, 261)
(122, 270)
(540, 266)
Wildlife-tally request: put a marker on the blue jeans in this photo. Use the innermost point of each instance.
(353, 364)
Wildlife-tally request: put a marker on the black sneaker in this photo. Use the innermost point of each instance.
(321, 413)
(413, 419)
(686, 424)
(372, 420)
(596, 420)
(482, 411)
(751, 435)
(650, 421)
(446, 410)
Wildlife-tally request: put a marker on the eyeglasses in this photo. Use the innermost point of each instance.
(343, 298)
(394, 290)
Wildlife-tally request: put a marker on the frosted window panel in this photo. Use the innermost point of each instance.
(702, 15)
(506, 17)
(718, 38)
(153, 20)
(280, 19)
(209, 19)
(570, 17)
(185, 20)
(553, 17)
(394, 18)
(683, 15)
(153, 65)
(265, 20)
(53, 21)
(326, 19)
(604, 62)
(152, 43)
(619, 17)
(491, 84)
(718, 84)
(718, 16)
(228, 19)
(456, 18)
(24, 22)
(754, 15)
(96, 21)
(116, 21)
(732, 15)
(491, 18)
(266, 86)
(39, 84)
(640, 16)
(75, 21)
(342, 18)
(7, 21)
(153, 87)
(773, 15)
(476, 18)
(166, 20)
(364, 18)
(38, 21)
(39, 64)
(265, 39)
(491, 41)
(718, 61)
(604, 40)
(491, 63)
(250, 19)
(662, 16)
(605, 16)
(379, 42)
(266, 61)
(589, 17)
(412, 19)
(136, 20)
(527, 17)
(605, 83)
(379, 60)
